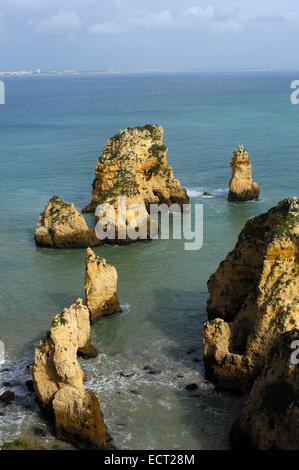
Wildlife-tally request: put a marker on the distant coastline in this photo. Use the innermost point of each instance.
(39, 72)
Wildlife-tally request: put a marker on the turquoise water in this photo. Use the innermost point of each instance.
(52, 130)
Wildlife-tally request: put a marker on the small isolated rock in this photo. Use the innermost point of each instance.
(151, 370)
(190, 351)
(100, 287)
(241, 186)
(122, 374)
(135, 392)
(7, 397)
(62, 226)
(206, 193)
(191, 387)
(40, 432)
(29, 384)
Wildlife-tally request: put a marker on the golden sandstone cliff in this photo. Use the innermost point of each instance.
(58, 380)
(241, 186)
(62, 226)
(254, 313)
(57, 377)
(133, 164)
(100, 287)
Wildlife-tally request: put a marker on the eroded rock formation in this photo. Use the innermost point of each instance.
(133, 164)
(241, 186)
(254, 313)
(100, 287)
(270, 418)
(253, 297)
(62, 226)
(58, 380)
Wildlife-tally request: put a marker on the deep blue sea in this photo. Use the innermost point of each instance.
(52, 130)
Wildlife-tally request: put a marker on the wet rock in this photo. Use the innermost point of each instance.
(151, 370)
(191, 387)
(40, 432)
(154, 372)
(191, 351)
(122, 374)
(29, 384)
(7, 397)
(135, 392)
(206, 193)
(196, 360)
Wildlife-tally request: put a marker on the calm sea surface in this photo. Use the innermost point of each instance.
(52, 130)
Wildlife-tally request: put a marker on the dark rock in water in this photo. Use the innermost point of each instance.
(122, 374)
(151, 370)
(29, 385)
(179, 376)
(7, 397)
(6, 384)
(1, 413)
(4, 370)
(196, 359)
(135, 392)
(191, 387)
(154, 372)
(206, 193)
(40, 432)
(190, 351)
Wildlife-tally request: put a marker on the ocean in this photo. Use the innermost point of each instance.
(52, 130)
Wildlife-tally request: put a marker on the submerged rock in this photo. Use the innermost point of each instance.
(58, 380)
(62, 226)
(241, 186)
(100, 287)
(7, 397)
(254, 314)
(133, 164)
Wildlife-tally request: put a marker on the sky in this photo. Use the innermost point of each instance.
(138, 35)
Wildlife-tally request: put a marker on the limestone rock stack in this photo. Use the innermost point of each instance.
(58, 380)
(62, 226)
(100, 287)
(241, 186)
(253, 307)
(133, 164)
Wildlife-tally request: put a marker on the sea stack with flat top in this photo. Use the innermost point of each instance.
(241, 186)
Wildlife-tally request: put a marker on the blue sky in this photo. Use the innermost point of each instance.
(129, 35)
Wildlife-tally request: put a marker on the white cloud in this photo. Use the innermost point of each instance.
(106, 28)
(62, 22)
(125, 24)
(200, 12)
